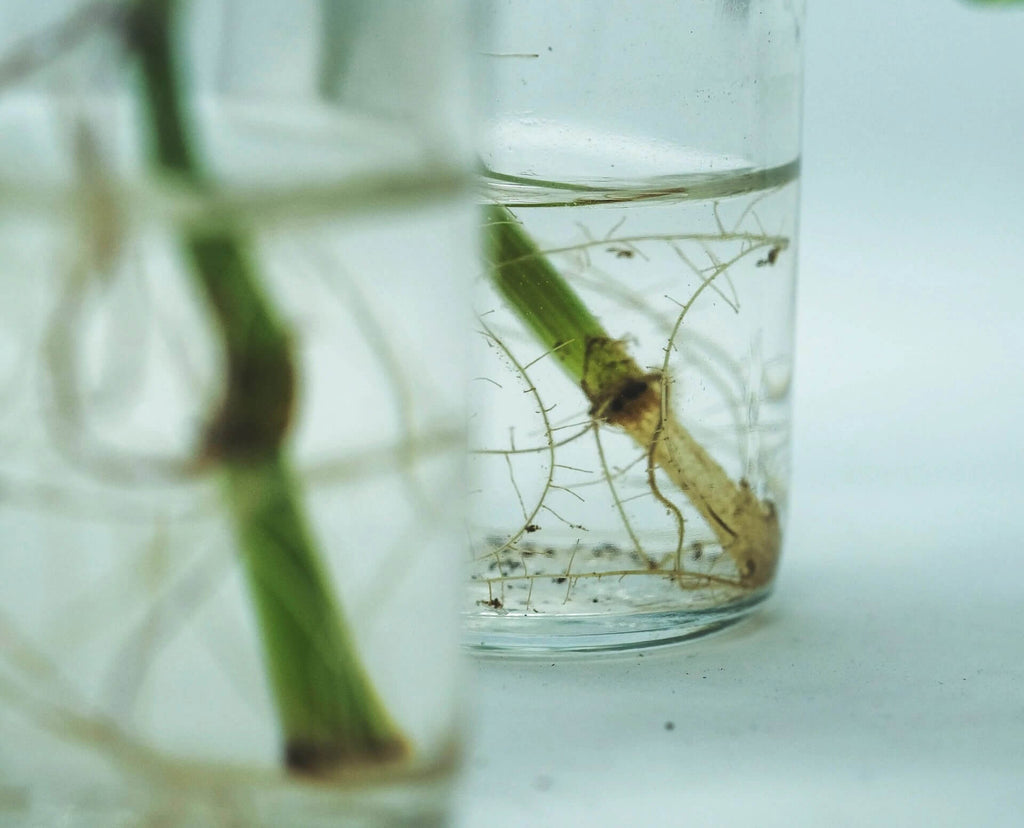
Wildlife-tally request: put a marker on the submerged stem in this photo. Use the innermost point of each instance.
(622, 394)
(327, 708)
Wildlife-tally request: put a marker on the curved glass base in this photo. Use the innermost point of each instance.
(526, 635)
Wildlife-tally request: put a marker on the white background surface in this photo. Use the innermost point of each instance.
(884, 682)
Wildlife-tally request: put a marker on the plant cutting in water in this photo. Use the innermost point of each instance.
(631, 405)
(329, 714)
(328, 711)
(626, 397)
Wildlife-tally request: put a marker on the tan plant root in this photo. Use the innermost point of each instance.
(747, 529)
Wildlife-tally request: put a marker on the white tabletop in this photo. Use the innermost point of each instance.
(883, 684)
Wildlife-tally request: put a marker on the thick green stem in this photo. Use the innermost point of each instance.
(327, 708)
(622, 394)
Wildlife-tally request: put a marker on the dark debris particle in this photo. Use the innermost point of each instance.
(771, 258)
(670, 725)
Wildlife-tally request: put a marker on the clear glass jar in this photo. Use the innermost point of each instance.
(236, 243)
(630, 407)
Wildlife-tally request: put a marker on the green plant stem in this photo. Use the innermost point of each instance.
(327, 709)
(622, 394)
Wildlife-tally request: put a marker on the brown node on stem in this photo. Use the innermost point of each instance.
(256, 413)
(628, 401)
(615, 385)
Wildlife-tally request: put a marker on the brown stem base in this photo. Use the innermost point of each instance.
(747, 528)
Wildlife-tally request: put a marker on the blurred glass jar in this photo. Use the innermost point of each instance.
(630, 412)
(236, 240)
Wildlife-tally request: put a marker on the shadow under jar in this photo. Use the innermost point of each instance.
(634, 344)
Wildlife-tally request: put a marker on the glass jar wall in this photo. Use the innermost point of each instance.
(236, 240)
(633, 358)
